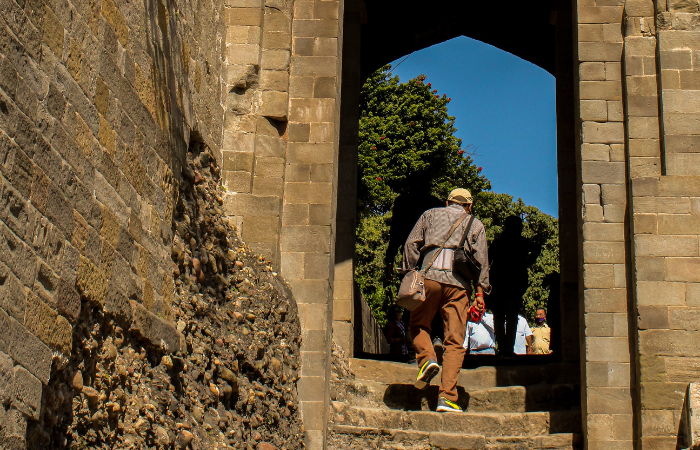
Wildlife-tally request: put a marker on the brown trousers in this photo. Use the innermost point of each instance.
(453, 304)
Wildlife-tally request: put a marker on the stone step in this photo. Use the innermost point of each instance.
(489, 424)
(380, 438)
(482, 377)
(553, 441)
(537, 397)
(365, 437)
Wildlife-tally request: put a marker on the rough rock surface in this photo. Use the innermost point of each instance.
(340, 367)
(233, 385)
(376, 439)
(343, 389)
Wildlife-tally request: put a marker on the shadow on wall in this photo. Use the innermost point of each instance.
(689, 426)
(91, 370)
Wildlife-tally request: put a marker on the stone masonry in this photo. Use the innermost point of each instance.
(280, 162)
(99, 100)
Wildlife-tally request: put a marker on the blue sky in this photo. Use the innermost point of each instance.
(504, 106)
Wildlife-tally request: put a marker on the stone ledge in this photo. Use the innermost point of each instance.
(14, 430)
(25, 348)
(26, 392)
(156, 331)
(691, 411)
(19, 388)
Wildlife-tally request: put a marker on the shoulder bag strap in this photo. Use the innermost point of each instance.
(466, 233)
(454, 227)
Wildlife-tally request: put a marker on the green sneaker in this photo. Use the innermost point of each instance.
(445, 405)
(427, 372)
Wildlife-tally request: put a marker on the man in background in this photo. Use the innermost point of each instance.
(395, 333)
(541, 334)
(480, 339)
(553, 282)
(523, 337)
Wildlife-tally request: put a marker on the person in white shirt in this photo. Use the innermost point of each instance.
(523, 338)
(480, 339)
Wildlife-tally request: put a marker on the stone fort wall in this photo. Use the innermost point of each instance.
(98, 102)
(638, 71)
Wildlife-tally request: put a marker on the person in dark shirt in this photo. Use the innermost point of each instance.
(395, 333)
(510, 255)
(407, 209)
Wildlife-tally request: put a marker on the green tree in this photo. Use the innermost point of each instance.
(372, 240)
(406, 135)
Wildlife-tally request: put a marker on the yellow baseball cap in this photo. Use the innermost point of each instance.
(460, 195)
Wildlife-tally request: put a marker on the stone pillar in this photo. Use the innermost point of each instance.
(663, 78)
(310, 189)
(642, 116)
(607, 397)
(255, 127)
(280, 156)
(565, 332)
(345, 322)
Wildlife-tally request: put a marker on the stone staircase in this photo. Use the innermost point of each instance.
(514, 407)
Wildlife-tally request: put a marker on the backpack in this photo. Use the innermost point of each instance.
(463, 262)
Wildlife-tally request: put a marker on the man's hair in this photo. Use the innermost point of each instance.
(541, 309)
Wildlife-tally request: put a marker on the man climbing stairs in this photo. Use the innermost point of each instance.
(515, 407)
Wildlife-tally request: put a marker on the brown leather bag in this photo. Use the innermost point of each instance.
(412, 290)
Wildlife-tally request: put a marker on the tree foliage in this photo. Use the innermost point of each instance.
(371, 243)
(407, 135)
(407, 139)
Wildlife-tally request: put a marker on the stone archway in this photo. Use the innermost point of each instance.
(379, 34)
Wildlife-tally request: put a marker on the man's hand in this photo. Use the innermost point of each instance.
(479, 300)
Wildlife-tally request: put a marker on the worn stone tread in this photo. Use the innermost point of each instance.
(490, 424)
(538, 397)
(558, 441)
(434, 438)
(480, 378)
(460, 441)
